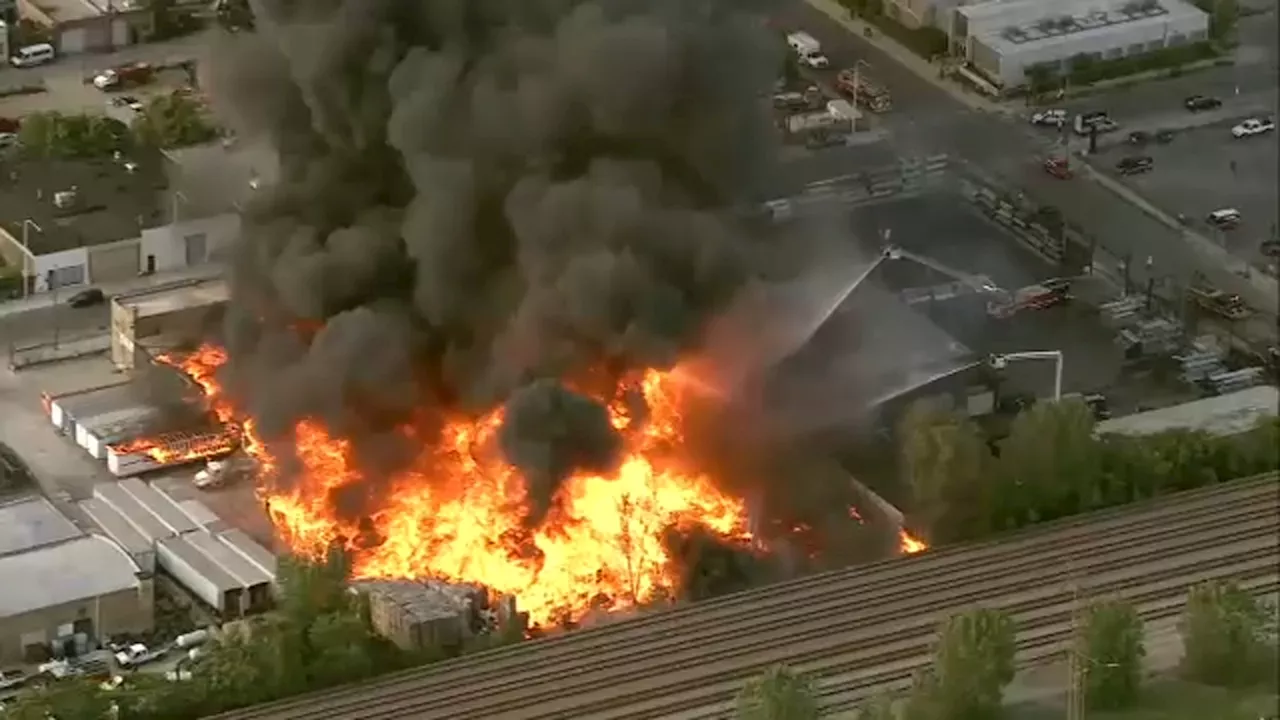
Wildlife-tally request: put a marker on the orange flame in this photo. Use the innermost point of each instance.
(909, 544)
(173, 448)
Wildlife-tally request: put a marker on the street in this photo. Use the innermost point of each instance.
(927, 120)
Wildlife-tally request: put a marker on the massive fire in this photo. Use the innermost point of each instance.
(457, 512)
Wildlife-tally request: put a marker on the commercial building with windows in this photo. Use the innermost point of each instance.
(1001, 39)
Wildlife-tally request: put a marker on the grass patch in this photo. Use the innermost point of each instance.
(1182, 700)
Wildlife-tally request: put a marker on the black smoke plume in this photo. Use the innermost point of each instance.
(477, 199)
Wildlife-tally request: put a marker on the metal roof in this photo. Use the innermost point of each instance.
(179, 295)
(66, 572)
(31, 522)
(241, 543)
(184, 551)
(142, 519)
(235, 564)
(159, 504)
(83, 406)
(116, 526)
(1222, 415)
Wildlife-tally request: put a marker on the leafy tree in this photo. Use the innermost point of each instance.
(173, 120)
(973, 663)
(778, 694)
(1225, 636)
(946, 464)
(1050, 463)
(1224, 15)
(1041, 78)
(57, 135)
(69, 699)
(1110, 650)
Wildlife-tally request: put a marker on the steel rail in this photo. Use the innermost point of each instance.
(1169, 523)
(708, 667)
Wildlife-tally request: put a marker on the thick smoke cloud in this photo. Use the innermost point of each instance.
(477, 198)
(549, 432)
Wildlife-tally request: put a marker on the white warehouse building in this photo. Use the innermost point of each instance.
(1000, 39)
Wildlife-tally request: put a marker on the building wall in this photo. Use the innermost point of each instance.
(68, 266)
(123, 340)
(92, 34)
(114, 262)
(127, 611)
(1132, 38)
(177, 246)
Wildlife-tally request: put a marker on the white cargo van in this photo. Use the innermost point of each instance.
(808, 50)
(32, 55)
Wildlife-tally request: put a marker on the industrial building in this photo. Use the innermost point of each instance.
(64, 589)
(1222, 415)
(147, 322)
(72, 223)
(1000, 39)
(80, 26)
(218, 564)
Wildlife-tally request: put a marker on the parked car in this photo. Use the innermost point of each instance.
(1164, 136)
(1135, 165)
(1253, 126)
(1139, 137)
(127, 101)
(1196, 103)
(137, 655)
(1224, 219)
(87, 298)
(1049, 118)
(11, 679)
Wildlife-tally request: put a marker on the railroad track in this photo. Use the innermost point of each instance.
(861, 629)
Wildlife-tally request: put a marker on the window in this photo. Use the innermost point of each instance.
(69, 276)
(196, 248)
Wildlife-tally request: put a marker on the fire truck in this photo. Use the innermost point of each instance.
(1224, 305)
(118, 78)
(867, 94)
(1040, 296)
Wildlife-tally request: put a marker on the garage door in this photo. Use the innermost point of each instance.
(119, 33)
(72, 41)
(113, 264)
(64, 277)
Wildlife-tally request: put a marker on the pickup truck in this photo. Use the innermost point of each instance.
(12, 679)
(137, 655)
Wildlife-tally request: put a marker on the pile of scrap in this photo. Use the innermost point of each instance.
(419, 615)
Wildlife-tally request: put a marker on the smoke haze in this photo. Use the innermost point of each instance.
(478, 198)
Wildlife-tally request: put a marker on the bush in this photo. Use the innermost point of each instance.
(1087, 70)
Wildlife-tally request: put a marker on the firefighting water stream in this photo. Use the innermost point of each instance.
(459, 308)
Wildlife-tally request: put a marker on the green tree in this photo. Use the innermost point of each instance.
(57, 135)
(947, 466)
(69, 699)
(973, 663)
(1041, 78)
(1050, 464)
(173, 120)
(778, 694)
(1225, 636)
(1110, 650)
(1224, 15)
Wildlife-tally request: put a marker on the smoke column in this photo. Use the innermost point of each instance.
(480, 198)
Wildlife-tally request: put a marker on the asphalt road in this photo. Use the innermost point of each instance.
(926, 120)
(1206, 169)
(860, 629)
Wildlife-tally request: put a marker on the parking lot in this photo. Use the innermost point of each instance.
(1206, 169)
(69, 93)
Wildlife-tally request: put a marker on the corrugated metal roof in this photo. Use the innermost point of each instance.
(160, 505)
(86, 405)
(241, 543)
(142, 519)
(199, 562)
(1222, 415)
(199, 513)
(31, 522)
(116, 526)
(234, 563)
(78, 569)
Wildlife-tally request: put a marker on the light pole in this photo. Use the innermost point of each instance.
(1000, 362)
(857, 81)
(27, 224)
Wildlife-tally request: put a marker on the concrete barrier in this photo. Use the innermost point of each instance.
(64, 349)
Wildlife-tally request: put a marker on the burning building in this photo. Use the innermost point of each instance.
(461, 321)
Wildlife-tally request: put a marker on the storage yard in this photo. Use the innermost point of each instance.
(862, 630)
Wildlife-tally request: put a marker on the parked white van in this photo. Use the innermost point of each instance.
(32, 55)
